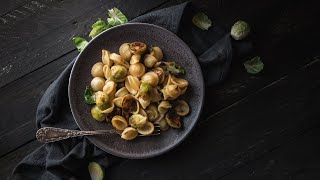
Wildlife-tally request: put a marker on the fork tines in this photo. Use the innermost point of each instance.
(155, 132)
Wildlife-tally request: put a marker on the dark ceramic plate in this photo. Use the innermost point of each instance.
(174, 49)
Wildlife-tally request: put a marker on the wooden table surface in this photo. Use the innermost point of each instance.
(264, 126)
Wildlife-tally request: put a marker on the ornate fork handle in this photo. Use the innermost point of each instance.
(51, 134)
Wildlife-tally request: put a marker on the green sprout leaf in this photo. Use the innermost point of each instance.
(89, 95)
(175, 68)
(254, 66)
(240, 30)
(116, 17)
(98, 27)
(80, 43)
(96, 171)
(202, 21)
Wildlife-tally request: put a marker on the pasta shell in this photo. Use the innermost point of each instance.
(157, 53)
(179, 81)
(173, 119)
(125, 52)
(138, 47)
(144, 101)
(173, 91)
(135, 59)
(147, 129)
(137, 70)
(97, 70)
(129, 133)
(156, 96)
(152, 113)
(149, 60)
(181, 107)
(117, 59)
(130, 104)
(119, 123)
(132, 84)
(110, 88)
(150, 78)
(137, 120)
(97, 83)
(108, 110)
(106, 71)
(160, 72)
(163, 124)
(122, 92)
(106, 58)
(164, 106)
(118, 101)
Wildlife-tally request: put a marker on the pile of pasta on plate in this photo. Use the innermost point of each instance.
(136, 89)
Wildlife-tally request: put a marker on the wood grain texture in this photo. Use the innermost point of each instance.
(10, 6)
(239, 134)
(43, 37)
(297, 159)
(8, 162)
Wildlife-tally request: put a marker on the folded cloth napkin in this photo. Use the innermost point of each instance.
(67, 158)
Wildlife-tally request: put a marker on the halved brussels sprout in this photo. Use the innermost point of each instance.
(130, 104)
(106, 58)
(137, 120)
(152, 113)
(163, 124)
(122, 92)
(97, 114)
(103, 100)
(129, 133)
(125, 52)
(96, 70)
(173, 119)
(150, 78)
(96, 171)
(147, 129)
(174, 68)
(119, 122)
(138, 47)
(97, 83)
(135, 59)
(181, 107)
(156, 52)
(137, 70)
(240, 30)
(132, 84)
(118, 73)
(149, 60)
(164, 106)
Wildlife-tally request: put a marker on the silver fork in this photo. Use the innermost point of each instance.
(52, 134)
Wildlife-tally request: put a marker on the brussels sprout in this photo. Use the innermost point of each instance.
(80, 43)
(118, 73)
(98, 27)
(254, 66)
(116, 17)
(240, 30)
(96, 171)
(97, 114)
(174, 68)
(89, 96)
(145, 88)
(130, 104)
(102, 100)
(173, 119)
(202, 21)
(137, 120)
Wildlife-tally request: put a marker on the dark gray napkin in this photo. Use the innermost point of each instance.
(67, 158)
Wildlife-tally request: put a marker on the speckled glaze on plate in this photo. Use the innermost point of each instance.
(174, 49)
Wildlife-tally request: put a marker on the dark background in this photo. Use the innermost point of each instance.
(263, 126)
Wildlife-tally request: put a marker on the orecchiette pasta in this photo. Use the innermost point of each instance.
(134, 96)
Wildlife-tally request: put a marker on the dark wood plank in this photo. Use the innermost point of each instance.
(26, 48)
(298, 159)
(11, 160)
(242, 132)
(10, 6)
(20, 100)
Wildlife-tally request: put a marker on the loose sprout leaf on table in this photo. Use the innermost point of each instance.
(240, 30)
(254, 66)
(98, 27)
(96, 171)
(80, 43)
(116, 17)
(202, 21)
